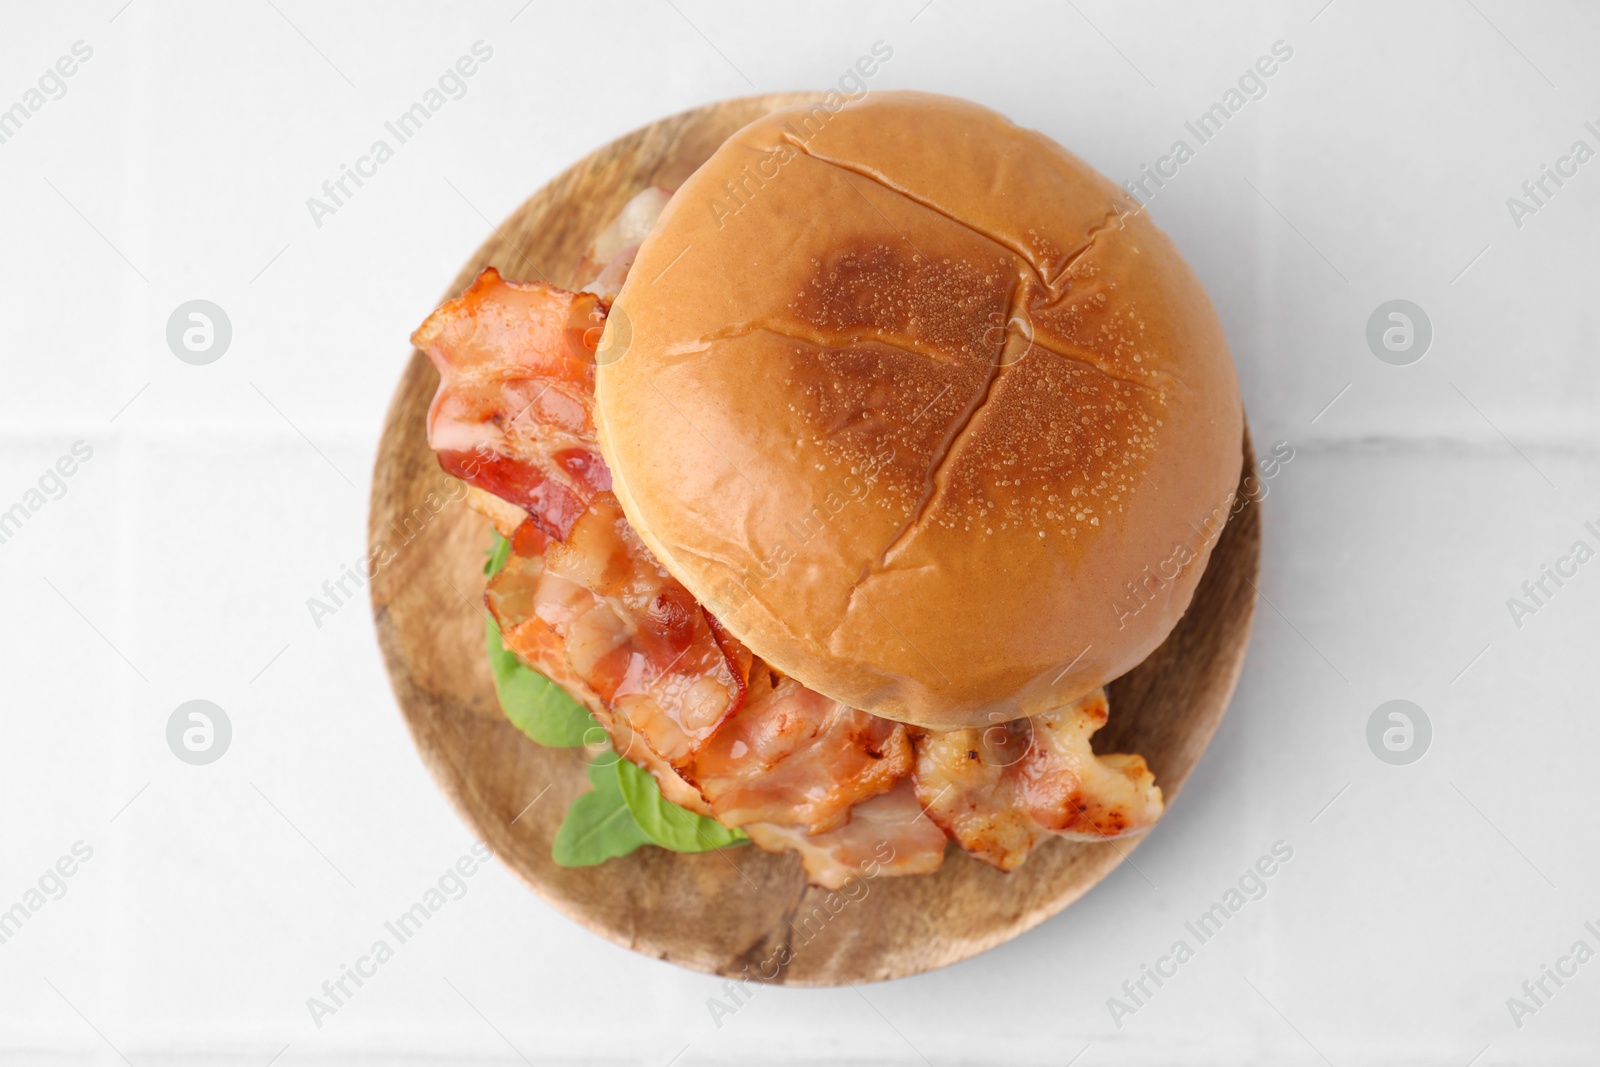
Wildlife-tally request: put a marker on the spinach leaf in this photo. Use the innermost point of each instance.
(535, 705)
(598, 825)
(667, 824)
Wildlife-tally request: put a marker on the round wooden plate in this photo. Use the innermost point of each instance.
(740, 912)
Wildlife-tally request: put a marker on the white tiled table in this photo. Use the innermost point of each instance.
(177, 562)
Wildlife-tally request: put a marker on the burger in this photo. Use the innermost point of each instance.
(831, 502)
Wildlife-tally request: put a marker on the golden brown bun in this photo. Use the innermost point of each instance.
(910, 394)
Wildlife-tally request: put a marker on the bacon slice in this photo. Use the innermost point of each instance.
(514, 414)
(521, 597)
(629, 632)
(887, 835)
(793, 756)
(605, 265)
(998, 790)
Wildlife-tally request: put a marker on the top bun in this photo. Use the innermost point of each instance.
(922, 408)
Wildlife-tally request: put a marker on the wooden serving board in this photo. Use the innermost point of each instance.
(740, 912)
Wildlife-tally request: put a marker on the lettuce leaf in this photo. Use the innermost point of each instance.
(625, 809)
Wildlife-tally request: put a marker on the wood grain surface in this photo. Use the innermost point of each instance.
(740, 911)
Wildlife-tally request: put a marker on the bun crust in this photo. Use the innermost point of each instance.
(922, 408)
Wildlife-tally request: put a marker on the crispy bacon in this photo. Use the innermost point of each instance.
(998, 790)
(521, 597)
(630, 632)
(514, 414)
(605, 266)
(794, 756)
(528, 540)
(887, 835)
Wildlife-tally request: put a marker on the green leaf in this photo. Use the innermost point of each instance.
(535, 705)
(598, 825)
(667, 824)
